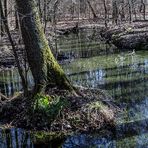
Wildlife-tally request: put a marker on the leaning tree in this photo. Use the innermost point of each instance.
(43, 65)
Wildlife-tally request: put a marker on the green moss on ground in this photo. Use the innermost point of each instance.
(60, 111)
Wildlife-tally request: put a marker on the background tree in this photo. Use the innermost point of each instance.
(20, 70)
(114, 11)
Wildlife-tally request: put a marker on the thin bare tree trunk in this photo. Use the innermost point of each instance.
(105, 12)
(92, 10)
(45, 15)
(16, 20)
(143, 9)
(114, 12)
(20, 70)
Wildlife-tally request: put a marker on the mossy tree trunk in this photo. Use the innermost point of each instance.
(44, 67)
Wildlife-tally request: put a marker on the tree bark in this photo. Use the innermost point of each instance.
(105, 12)
(2, 28)
(20, 70)
(16, 20)
(114, 12)
(130, 10)
(143, 9)
(44, 67)
(92, 10)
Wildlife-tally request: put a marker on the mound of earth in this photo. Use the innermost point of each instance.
(128, 36)
(60, 110)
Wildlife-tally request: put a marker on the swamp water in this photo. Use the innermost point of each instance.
(92, 63)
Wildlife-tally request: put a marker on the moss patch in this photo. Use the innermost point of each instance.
(61, 112)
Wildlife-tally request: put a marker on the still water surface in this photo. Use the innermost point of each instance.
(92, 63)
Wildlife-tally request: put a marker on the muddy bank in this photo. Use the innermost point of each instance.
(128, 36)
(60, 112)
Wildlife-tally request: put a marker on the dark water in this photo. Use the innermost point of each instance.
(10, 82)
(92, 63)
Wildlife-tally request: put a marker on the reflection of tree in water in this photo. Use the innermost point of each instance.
(127, 134)
(87, 141)
(86, 43)
(121, 135)
(128, 84)
(19, 138)
(16, 138)
(10, 81)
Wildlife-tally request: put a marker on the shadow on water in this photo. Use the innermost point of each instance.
(122, 74)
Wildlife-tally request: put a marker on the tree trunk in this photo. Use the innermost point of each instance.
(143, 9)
(114, 12)
(130, 10)
(122, 11)
(20, 70)
(92, 10)
(105, 12)
(5, 9)
(2, 28)
(45, 15)
(40, 10)
(44, 67)
(16, 20)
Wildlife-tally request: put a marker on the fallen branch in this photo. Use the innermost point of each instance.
(3, 97)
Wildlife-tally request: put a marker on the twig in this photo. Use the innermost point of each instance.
(3, 96)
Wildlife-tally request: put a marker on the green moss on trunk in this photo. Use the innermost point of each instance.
(43, 65)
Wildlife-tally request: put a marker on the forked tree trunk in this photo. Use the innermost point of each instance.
(44, 67)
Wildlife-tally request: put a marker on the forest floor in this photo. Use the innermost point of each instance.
(60, 111)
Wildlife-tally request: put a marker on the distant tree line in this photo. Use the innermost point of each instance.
(101, 11)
